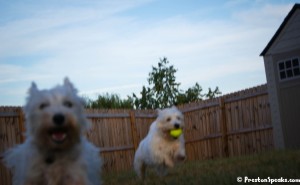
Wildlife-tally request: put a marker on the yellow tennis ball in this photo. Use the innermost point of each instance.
(176, 132)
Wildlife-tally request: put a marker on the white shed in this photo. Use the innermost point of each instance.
(282, 66)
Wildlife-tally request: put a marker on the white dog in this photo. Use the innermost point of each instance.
(159, 149)
(56, 151)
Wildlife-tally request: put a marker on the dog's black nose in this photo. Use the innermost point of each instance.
(176, 126)
(58, 119)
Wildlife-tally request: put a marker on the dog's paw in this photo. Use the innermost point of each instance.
(169, 163)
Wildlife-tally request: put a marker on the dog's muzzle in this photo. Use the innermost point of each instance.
(59, 132)
(58, 135)
(58, 119)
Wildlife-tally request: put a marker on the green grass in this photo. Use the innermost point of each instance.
(275, 164)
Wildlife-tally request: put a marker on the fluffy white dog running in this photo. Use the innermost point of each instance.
(159, 149)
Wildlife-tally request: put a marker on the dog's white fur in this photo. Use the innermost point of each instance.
(76, 161)
(159, 149)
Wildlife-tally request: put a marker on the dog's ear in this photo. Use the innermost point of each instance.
(174, 108)
(69, 85)
(158, 111)
(33, 89)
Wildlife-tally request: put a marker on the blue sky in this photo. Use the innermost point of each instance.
(110, 46)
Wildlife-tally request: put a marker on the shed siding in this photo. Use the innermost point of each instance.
(289, 38)
(274, 104)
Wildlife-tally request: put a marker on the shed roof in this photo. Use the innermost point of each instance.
(283, 24)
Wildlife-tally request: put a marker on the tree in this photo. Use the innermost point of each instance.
(191, 95)
(146, 101)
(163, 90)
(212, 94)
(110, 101)
(164, 85)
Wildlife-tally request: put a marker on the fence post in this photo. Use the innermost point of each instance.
(21, 124)
(133, 130)
(223, 127)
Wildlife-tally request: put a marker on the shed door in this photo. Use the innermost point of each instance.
(290, 114)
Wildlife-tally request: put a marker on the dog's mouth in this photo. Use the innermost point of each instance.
(58, 135)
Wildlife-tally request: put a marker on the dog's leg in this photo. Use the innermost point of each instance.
(161, 170)
(140, 168)
(78, 182)
(36, 174)
(180, 155)
(143, 170)
(35, 181)
(169, 162)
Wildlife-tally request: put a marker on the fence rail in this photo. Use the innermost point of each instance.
(231, 125)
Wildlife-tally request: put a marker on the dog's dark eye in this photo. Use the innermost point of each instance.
(68, 104)
(179, 118)
(43, 105)
(168, 119)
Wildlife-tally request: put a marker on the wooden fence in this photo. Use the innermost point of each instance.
(232, 125)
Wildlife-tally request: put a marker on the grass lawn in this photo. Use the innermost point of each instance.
(275, 164)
